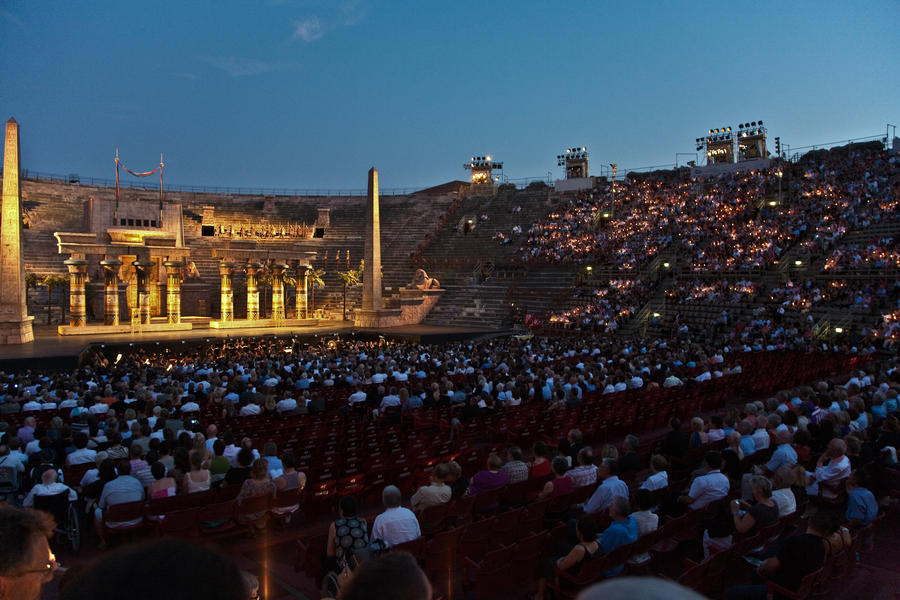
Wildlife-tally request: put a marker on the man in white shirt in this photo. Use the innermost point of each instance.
(710, 487)
(82, 454)
(31, 405)
(190, 406)
(286, 405)
(98, 408)
(660, 478)
(761, 436)
(396, 524)
(611, 487)
(212, 433)
(390, 400)
(833, 466)
(48, 486)
(250, 408)
(357, 397)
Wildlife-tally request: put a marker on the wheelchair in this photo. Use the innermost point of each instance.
(68, 524)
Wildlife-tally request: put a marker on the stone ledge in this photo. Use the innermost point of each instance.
(16, 332)
(245, 324)
(113, 329)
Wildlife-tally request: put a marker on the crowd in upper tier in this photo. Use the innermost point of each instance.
(728, 223)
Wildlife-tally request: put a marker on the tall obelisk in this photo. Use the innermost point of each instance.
(371, 300)
(15, 324)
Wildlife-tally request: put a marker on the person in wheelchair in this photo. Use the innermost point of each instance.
(49, 486)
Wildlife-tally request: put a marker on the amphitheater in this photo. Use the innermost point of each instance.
(743, 286)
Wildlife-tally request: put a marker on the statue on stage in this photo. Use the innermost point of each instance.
(421, 281)
(191, 271)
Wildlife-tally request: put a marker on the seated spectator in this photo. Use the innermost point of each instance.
(270, 452)
(82, 454)
(162, 486)
(197, 479)
(238, 474)
(630, 462)
(832, 467)
(561, 483)
(515, 469)
(587, 548)
(219, 465)
(291, 478)
(659, 477)
(586, 471)
(459, 484)
(745, 517)
(348, 532)
(733, 454)
(748, 445)
(716, 431)
(49, 486)
(799, 556)
(396, 524)
(540, 467)
(27, 562)
(611, 487)
(438, 492)
(257, 485)
(710, 487)
(782, 482)
(760, 436)
(862, 507)
(647, 521)
(676, 441)
(393, 575)
(489, 479)
(121, 490)
(698, 437)
(622, 531)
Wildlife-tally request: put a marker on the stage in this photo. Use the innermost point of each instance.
(49, 350)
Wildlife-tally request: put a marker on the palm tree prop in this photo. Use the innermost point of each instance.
(350, 278)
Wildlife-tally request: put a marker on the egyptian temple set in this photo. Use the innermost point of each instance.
(142, 260)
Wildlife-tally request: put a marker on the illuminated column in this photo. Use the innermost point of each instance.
(371, 299)
(142, 268)
(15, 324)
(111, 291)
(302, 277)
(173, 290)
(77, 276)
(226, 270)
(253, 291)
(278, 291)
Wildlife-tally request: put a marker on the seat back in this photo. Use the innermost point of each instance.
(415, 547)
(182, 523)
(431, 520)
(126, 511)
(504, 531)
(56, 505)
(9, 480)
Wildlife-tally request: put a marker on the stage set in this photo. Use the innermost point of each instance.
(135, 249)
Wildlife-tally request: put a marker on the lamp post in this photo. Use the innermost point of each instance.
(779, 174)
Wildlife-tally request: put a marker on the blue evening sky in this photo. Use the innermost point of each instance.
(309, 94)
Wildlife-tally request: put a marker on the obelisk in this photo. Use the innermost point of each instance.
(15, 324)
(371, 300)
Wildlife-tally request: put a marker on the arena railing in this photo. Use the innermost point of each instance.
(76, 179)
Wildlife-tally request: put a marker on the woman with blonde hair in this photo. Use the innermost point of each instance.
(699, 437)
(608, 451)
(198, 446)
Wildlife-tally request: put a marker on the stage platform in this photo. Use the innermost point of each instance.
(53, 351)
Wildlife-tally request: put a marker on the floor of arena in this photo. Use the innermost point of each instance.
(57, 351)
